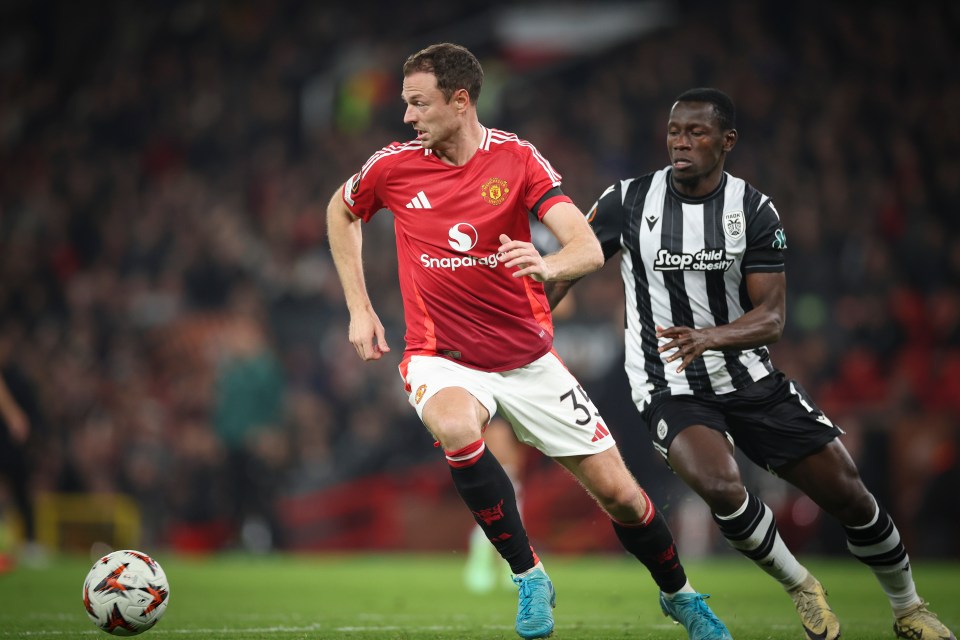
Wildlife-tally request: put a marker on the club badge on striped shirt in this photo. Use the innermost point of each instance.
(734, 224)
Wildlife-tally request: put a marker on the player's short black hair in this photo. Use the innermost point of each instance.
(723, 108)
(453, 65)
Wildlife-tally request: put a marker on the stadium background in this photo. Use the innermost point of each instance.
(167, 297)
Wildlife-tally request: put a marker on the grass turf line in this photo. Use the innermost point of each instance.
(420, 597)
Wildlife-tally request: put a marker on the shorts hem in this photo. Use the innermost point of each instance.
(607, 447)
(808, 451)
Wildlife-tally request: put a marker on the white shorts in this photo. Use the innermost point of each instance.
(543, 401)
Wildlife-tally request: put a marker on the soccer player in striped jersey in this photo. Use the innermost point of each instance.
(703, 271)
(479, 335)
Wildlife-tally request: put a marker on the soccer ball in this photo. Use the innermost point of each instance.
(125, 592)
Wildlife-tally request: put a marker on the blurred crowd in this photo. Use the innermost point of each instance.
(167, 292)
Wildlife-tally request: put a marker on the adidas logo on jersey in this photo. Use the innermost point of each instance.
(419, 202)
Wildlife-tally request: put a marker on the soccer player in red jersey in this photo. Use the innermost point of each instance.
(479, 334)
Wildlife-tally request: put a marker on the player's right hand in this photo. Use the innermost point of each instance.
(367, 335)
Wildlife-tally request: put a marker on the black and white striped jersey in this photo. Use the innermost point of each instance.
(683, 264)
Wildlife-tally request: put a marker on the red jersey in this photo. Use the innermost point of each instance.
(460, 302)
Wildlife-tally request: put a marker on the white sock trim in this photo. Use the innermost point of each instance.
(686, 588)
(873, 521)
(468, 456)
(738, 512)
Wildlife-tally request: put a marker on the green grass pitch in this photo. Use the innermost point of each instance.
(409, 597)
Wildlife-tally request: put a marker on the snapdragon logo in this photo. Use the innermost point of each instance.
(703, 260)
(462, 237)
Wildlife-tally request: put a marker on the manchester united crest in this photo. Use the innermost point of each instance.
(734, 224)
(420, 391)
(494, 191)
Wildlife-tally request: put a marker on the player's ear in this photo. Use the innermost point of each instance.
(729, 139)
(461, 100)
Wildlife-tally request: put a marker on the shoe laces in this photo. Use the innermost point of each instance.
(809, 605)
(703, 617)
(920, 615)
(529, 594)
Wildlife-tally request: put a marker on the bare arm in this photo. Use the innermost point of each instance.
(580, 251)
(346, 243)
(762, 325)
(556, 290)
(17, 421)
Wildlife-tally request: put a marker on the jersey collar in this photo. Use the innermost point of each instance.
(688, 199)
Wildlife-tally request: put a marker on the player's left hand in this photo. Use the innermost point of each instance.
(17, 423)
(686, 343)
(524, 256)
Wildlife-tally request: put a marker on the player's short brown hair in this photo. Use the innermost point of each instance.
(453, 65)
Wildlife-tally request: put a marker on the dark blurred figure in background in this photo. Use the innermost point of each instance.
(248, 418)
(20, 423)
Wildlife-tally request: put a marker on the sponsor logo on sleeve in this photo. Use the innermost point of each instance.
(779, 240)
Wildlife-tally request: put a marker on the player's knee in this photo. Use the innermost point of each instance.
(854, 508)
(723, 494)
(624, 502)
(454, 432)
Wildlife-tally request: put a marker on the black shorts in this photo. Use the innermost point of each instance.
(773, 421)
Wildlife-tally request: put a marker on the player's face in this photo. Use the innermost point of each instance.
(697, 147)
(430, 114)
